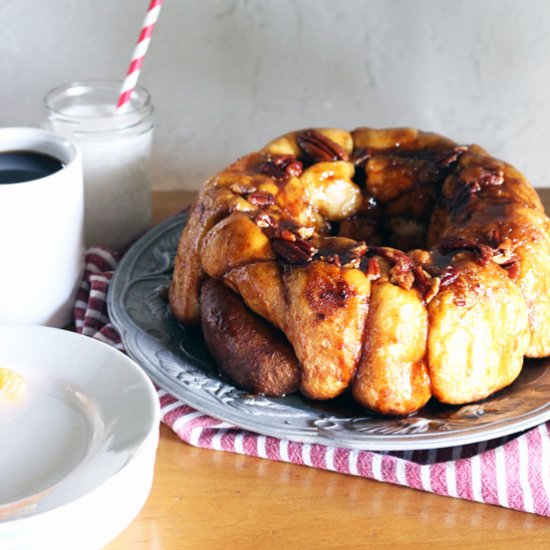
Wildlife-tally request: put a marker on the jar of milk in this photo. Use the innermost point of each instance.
(116, 152)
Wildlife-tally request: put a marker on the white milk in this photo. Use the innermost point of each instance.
(116, 152)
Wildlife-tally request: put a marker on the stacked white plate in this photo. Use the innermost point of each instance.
(77, 453)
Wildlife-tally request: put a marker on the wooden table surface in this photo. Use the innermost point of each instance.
(211, 499)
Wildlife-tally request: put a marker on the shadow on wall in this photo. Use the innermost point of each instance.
(228, 76)
(256, 70)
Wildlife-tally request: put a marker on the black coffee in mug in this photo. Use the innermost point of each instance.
(21, 166)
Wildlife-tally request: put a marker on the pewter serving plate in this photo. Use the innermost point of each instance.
(178, 361)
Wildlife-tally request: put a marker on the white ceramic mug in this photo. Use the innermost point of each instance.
(41, 233)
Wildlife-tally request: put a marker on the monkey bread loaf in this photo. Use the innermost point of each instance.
(394, 264)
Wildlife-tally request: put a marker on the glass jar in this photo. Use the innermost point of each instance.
(116, 153)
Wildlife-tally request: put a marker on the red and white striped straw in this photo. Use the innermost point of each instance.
(138, 56)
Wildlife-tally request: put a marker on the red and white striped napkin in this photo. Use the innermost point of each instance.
(513, 472)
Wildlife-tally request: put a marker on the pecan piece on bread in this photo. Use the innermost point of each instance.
(282, 167)
(260, 199)
(451, 245)
(316, 147)
(402, 271)
(297, 251)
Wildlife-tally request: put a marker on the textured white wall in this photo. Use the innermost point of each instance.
(228, 75)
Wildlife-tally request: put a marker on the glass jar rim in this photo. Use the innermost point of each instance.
(140, 101)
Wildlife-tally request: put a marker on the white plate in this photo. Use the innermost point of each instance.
(77, 454)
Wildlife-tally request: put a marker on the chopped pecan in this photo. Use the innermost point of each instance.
(402, 270)
(448, 276)
(402, 276)
(513, 269)
(452, 157)
(392, 254)
(354, 255)
(373, 269)
(422, 276)
(260, 199)
(264, 220)
(360, 249)
(241, 189)
(445, 276)
(483, 252)
(332, 259)
(463, 193)
(293, 252)
(429, 284)
(316, 147)
(472, 180)
(503, 251)
(426, 284)
(353, 262)
(288, 235)
(481, 176)
(471, 187)
(282, 167)
(433, 289)
(350, 258)
(494, 237)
